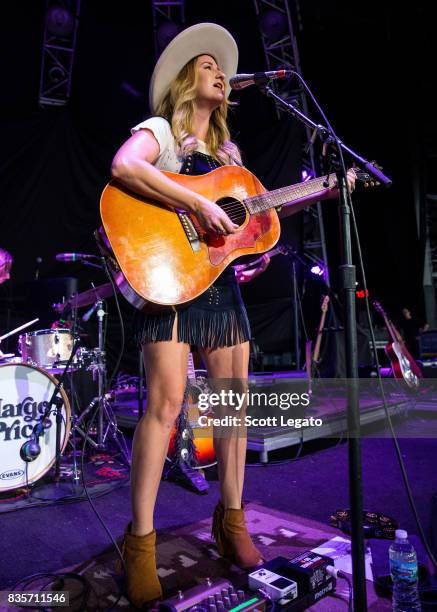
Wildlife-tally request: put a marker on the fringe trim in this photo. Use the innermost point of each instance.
(153, 328)
(196, 326)
(217, 529)
(213, 329)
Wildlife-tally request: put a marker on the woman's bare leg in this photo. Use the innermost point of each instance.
(166, 373)
(230, 363)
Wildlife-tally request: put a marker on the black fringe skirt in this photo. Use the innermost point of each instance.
(215, 319)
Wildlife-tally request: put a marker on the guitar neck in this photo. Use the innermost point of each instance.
(288, 195)
(191, 372)
(395, 336)
(319, 337)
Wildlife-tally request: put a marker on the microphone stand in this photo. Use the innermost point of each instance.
(56, 401)
(347, 270)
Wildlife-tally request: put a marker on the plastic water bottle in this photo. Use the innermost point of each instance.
(404, 570)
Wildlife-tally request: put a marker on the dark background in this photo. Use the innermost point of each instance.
(370, 65)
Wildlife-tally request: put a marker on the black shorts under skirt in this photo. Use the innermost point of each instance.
(215, 319)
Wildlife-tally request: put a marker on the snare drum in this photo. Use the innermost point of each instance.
(25, 392)
(46, 347)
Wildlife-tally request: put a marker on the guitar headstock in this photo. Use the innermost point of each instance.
(366, 179)
(325, 303)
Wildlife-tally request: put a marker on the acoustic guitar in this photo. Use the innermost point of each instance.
(402, 363)
(161, 256)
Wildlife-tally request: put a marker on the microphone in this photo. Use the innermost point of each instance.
(240, 81)
(74, 256)
(31, 449)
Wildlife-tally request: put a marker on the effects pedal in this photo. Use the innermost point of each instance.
(274, 585)
(306, 571)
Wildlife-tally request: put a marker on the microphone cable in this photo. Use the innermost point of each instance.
(381, 386)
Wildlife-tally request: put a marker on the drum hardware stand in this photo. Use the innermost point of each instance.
(75, 474)
(105, 412)
(31, 449)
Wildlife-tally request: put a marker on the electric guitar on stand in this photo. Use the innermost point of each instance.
(402, 363)
(312, 358)
(191, 447)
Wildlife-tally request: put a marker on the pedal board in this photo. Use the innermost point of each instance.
(214, 596)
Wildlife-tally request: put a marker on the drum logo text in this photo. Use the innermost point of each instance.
(11, 474)
(27, 410)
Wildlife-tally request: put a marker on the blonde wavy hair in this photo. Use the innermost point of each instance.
(178, 108)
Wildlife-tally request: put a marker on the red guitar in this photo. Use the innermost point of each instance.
(402, 363)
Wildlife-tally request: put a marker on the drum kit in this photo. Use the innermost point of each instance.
(39, 411)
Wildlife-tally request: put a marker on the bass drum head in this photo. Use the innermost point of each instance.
(25, 392)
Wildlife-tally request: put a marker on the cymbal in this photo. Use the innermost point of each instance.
(86, 298)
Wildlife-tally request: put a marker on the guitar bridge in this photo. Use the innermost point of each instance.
(190, 230)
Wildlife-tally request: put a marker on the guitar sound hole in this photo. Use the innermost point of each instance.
(234, 209)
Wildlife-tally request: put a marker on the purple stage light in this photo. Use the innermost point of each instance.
(317, 270)
(60, 21)
(274, 25)
(306, 176)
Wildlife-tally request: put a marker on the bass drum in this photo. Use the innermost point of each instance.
(25, 392)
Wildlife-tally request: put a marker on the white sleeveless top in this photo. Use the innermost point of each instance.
(168, 158)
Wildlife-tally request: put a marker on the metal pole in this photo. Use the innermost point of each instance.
(100, 315)
(347, 273)
(295, 317)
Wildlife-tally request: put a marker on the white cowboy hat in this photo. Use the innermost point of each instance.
(200, 39)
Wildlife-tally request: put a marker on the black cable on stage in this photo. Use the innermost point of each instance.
(120, 316)
(87, 587)
(331, 570)
(384, 399)
(111, 537)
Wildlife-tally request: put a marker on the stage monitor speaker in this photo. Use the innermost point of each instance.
(428, 344)
(332, 359)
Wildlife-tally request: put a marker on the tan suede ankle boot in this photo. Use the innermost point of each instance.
(139, 553)
(232, 538)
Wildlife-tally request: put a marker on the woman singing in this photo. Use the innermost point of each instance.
(187, 134)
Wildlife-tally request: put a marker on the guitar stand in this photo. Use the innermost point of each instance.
(180, 469)
(180, 472)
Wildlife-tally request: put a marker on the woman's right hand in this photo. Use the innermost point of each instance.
(213, 219)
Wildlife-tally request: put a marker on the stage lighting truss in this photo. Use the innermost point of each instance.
(276, 23)
(168, 21)
(60, 32)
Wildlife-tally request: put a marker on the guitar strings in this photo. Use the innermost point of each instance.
(234, 205)
(236, 208)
